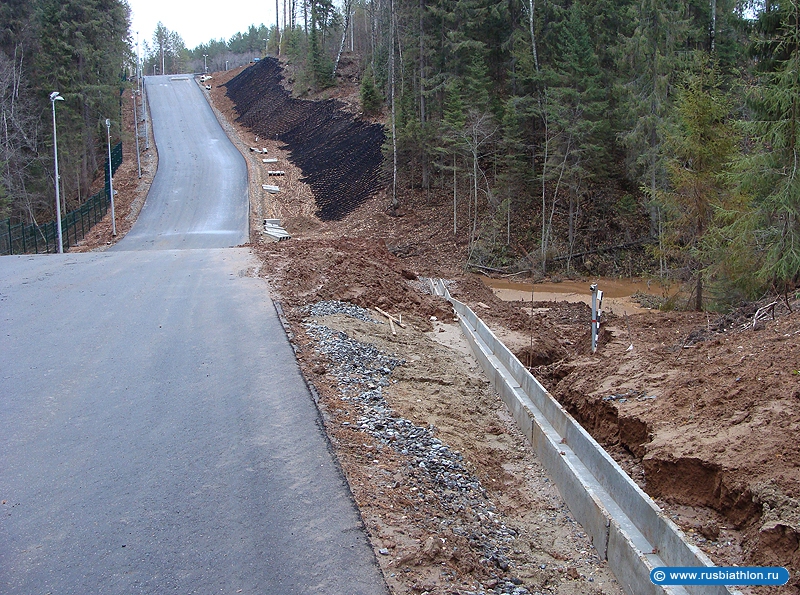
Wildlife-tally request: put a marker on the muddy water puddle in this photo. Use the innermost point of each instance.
(616, 292)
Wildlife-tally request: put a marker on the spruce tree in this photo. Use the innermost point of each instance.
(370, 99)
(575, 109)
(649, 63)
(769, 173)
(698, 148)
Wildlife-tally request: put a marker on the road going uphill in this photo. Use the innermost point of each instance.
(157, 435)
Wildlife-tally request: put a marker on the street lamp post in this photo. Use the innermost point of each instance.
(265, 47)
(205, 63)
(54, 96)
(138, 70)
(110, 180)
(136, 127)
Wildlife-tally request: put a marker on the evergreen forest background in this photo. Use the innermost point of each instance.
(666, 126)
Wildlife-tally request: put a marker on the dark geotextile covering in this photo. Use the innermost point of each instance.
(339, 155)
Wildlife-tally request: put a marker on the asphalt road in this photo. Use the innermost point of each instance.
(155, 433)
(198, 198)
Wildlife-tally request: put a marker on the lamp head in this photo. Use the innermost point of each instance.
(54, 96)
(108, 123)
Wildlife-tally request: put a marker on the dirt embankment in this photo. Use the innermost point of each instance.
(707, 427)
(130, 190)
(339, 155)
(704, 414)
(453, 498)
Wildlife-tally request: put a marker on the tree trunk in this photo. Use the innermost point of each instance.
(508, 222)
(395, 202)
(698, 303)
(474, 185)
(544, 188)
(344, 36)
(372, 34)
(571, 229)
(531, 8)
(713, 32)
(425, 172)
(455, 204)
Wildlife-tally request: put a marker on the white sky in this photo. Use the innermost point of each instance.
(198, 21)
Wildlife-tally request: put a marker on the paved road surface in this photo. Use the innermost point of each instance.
(155, 434)
(199, 195)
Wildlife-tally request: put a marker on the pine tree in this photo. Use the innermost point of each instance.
(769, 174)
(574, 108)
(698, 148)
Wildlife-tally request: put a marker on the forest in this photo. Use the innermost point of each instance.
(568, 126)
(80, 49)
(545, 130)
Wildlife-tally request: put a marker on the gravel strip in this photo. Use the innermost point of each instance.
(329, 308)
(362, 372)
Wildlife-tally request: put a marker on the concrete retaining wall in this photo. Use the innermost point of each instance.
(625, 525)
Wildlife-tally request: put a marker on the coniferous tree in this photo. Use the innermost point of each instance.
(370, 98)
(769, 173)
(576, 107)
(76, 47)
(650, 65)
(698, 148)
(83, 46)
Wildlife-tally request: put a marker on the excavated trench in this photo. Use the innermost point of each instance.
(339, 155)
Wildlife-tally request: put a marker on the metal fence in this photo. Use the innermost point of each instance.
(41, 239)
(116, 161)
(24, 239)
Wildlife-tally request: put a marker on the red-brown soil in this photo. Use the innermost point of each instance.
(708, 427)
(130, 190)
(705, 420)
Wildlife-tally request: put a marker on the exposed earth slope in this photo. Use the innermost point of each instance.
(702, 411)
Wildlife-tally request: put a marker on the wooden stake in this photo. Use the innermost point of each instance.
(390, 317)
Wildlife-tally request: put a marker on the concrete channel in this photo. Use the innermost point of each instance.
(627, 528)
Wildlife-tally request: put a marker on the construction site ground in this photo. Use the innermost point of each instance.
(702, 410)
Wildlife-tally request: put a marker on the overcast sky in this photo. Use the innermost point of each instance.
(198, 21)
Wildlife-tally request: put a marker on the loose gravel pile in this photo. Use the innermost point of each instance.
(331, 307)
(362, 372)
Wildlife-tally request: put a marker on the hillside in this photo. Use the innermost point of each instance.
(701, 410)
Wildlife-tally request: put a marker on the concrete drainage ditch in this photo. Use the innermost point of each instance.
(627, 528)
